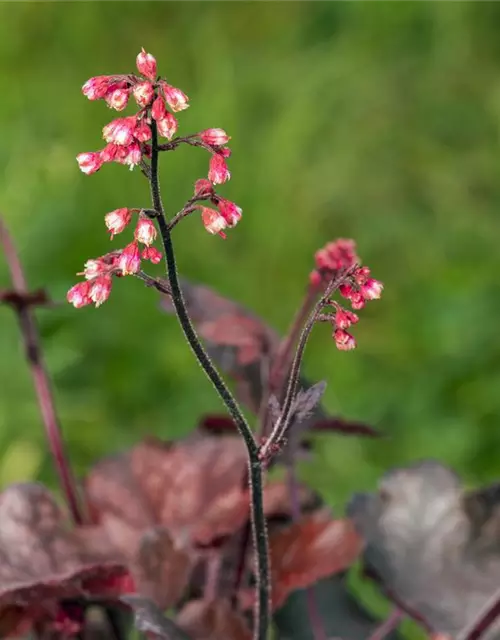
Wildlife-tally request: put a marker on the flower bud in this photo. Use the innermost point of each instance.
(100, 288)
(176, 99)
(93, 268)
(146, 64)
(133, 155)
(167, 126)
(372, 289)
(78, 295)
(344, 319)
(218, 172)
(357, 300)
(111, 152)
(117, 220)
(89, 162)
(315, 278)
(117, 99)
(142, 132)
(145, 231)
(130, 259)
(203, 187)
(213, 221)
(152, 254)
(229, 211)
(361, 275)
(216, 137)
(143, 93)
(120, 131)
(158, 110)
(96, 88)
(343, 340)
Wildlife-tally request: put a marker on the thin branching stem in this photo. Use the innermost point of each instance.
(282, 423)
(262, 608)
(33, 349)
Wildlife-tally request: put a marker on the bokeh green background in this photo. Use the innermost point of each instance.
(377, 121)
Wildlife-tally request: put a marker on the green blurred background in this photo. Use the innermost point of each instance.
(377, 121)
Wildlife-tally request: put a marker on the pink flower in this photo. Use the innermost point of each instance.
(100, 288)
(361, 275)
(340, 254)
(117, 220)
(89, 162)
(117, 99)
(203, 187)
(142, 132)
(130, 259)
(216, 137)
(145, 231)
(176, 99)
(158, 110)
(343, 340)
(143, 93)
(78, 295)
(132, 155)
(315, 278)
(372, 289)
(344, 319)
(167, 126)
(146, 64)
(346, 291)
(111, 152)
(213, 221)
(120, 131)
(93, 268)
(357, 300)
(96, 88)
(152, 254)
(218, 172)
(229, 211)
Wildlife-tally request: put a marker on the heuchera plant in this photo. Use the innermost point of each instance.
(171, 524)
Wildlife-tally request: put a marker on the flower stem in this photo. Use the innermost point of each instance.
(261, 622)
(282, 423)
(32, 345)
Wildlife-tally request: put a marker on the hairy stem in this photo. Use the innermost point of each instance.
(160, 285)
(280, 365)
(32, 345)
(282, 423)
(255, 468)
(388, 625)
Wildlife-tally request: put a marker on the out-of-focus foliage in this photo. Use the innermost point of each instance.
(378, 121)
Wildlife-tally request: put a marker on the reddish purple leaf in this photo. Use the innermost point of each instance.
(195, 489)
(43, 562)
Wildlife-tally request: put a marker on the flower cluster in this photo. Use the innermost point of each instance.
(227, 215)
(99, 272)
(359, 288)
(128, 138)
(129, 141)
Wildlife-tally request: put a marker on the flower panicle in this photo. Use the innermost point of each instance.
(358, 287)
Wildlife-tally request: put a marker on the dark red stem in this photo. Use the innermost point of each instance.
(32, 344)
(389, 624)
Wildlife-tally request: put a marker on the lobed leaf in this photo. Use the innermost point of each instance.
(433, 547)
